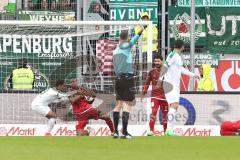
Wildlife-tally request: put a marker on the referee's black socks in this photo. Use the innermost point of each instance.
(116, 121)
(125, 118)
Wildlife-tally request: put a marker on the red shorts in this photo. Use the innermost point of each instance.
(158, 103)
(163, 105)
(86, 114)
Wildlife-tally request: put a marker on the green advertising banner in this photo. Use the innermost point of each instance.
(202, 58)
(130, 10)
(179, 25)
(46, 16)
(209, 3)
(223, 29)
(50, 57)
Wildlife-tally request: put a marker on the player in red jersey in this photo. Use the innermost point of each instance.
(230, 128)
(158, 97)
(83, 110)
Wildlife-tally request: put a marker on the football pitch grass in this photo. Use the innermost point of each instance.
(107, 148)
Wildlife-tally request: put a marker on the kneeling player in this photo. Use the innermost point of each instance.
(230, 128)
(84, 111)
(158, 97)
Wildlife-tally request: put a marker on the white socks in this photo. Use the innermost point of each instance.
(171, 118)
(51, 124)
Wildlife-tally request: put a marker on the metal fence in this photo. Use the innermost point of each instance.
(91, 10)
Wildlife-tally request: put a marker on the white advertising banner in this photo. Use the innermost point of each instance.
(102, 130)
(195, 109)
(208, 109)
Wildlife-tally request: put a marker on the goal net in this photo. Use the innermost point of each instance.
(69, 51)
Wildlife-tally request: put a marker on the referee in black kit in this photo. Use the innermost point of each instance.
(122, 63)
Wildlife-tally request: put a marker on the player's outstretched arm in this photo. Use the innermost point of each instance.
(188, 73)
(86, 92)
(135, 38)
(70, 93)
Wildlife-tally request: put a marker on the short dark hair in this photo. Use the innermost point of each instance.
(59, 83)
(124, 35)
(158, 56)
(22, 62)
(146, 16)
(178, 44)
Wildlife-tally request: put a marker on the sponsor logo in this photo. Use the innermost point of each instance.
(51, 63)
(185, 132)
(99, 130)
(200, 59)
(197, 132)
(102, 131)
(181, 27)
(208, 3)
(156, 133)
(46, 16)
(55, 55)
(230, 77)
(44, 45)
(190, 109)
(17, 131)
(41, 83)
(65, 131)
(6, 63)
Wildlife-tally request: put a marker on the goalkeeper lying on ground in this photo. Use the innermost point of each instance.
(83, 110)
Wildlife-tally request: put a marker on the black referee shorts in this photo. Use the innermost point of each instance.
(124, 88)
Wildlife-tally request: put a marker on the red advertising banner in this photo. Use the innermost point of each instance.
(226, 76)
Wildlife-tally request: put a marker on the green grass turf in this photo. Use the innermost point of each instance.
(106, 148)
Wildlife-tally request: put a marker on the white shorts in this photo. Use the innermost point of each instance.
(41, 109)
(173, 96)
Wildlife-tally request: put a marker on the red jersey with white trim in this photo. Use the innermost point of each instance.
(81, 105)
(153, 77)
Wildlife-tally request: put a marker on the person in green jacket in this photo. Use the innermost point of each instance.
(206, 82)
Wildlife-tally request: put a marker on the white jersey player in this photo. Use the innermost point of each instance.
(41, 102)
(174, 66)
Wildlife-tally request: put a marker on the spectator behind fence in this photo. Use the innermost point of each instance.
(95, 7)
(144, 47)
(99, 7)
(34, 4)
(206, 82)
(52, 5)
(22, 77)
